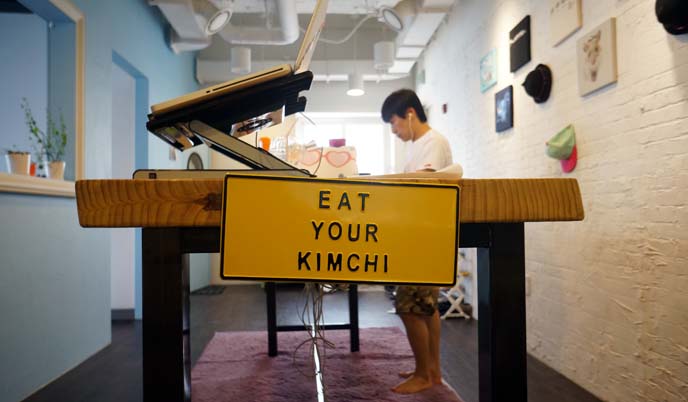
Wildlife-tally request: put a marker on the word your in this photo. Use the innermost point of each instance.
(337, 231)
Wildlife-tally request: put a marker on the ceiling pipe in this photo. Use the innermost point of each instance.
(215, 71)
(285, 34)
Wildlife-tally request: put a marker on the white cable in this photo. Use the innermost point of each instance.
(348, 36)
(314, 298)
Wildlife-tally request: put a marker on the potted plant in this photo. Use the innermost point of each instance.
(50, 144)
(18, 162)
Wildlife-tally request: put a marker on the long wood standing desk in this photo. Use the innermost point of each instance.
(180, 217)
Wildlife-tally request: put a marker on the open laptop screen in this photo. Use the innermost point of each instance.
(302, 63)
(310, 39)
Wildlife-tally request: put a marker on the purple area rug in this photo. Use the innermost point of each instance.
(235, 366)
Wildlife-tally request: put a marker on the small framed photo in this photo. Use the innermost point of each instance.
(504, 109)
(565, 18)
(488, 70)
(597, 66)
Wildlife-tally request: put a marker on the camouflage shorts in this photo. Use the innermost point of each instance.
(416, 300)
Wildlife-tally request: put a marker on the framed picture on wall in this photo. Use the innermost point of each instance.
(519, 48)
(596, 51)
(565, 18)
(504, 109)
(488, 70)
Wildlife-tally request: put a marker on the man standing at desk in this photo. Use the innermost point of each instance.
(417, 305)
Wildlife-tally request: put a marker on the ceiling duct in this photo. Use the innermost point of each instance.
(420, 18)
(181, 16)
(180, 44)
(190, 19)
(264, 34)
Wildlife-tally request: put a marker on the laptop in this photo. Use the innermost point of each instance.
(303, 60)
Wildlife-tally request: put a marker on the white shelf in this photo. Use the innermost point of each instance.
(14, 183)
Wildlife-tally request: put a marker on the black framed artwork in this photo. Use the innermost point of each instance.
(519, 48)
(504, 109)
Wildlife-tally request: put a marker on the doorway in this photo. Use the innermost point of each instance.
(122, 240)
(129, 151)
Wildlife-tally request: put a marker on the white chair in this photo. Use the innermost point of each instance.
(455, 297)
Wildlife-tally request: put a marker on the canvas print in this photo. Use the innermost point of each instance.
(519, 49)
(565, 18)
(504, 109)
(597, 58)
(488, 70)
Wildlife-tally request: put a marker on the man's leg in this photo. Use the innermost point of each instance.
(433, 323)
(418, 336)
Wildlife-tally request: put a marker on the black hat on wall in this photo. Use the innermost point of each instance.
(673, 14)
(538, 83)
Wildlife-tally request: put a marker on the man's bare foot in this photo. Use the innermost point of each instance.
(413, 385)
(436, 378)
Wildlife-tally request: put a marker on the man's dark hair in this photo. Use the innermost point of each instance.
(398, 102)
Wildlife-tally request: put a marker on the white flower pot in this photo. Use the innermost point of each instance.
(55, 170)
(18, 163)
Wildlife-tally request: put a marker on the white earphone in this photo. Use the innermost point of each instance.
(409, 116)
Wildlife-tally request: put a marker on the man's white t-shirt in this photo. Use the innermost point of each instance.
(431, 151)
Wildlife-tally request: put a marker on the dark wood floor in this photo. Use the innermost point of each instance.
(114, 374)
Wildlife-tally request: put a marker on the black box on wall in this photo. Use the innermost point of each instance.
(519, 50)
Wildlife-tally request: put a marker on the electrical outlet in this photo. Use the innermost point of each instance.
(527, 285)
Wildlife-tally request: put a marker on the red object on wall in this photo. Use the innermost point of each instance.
(32, 170)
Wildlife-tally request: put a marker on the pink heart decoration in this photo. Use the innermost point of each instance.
(338, 158)
(310, 158)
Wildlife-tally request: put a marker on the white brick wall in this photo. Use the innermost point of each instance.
(609, 295)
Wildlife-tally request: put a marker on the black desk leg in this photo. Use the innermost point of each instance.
(272, 318)
(353, 316)
(166, 372)
(502, 315)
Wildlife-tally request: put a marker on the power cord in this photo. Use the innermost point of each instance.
(316, 341)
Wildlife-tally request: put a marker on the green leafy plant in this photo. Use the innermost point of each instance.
(50, 143)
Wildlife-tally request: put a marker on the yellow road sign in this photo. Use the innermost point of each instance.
(307, 229)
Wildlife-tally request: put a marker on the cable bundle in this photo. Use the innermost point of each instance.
(316, 342)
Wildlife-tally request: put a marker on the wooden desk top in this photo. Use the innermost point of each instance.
(185, 202)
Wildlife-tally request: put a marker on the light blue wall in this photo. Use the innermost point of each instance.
(54, 292)
(23, 53)
(54, 279)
